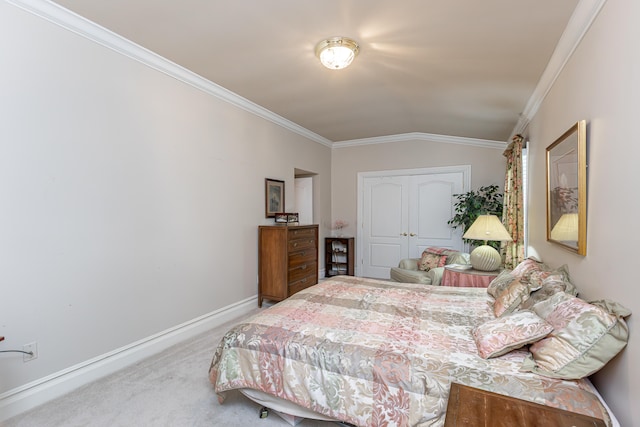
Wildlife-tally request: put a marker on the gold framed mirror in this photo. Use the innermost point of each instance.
(567, 189)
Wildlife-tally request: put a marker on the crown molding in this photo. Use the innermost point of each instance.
(585, 13)
(419, 136)
(583, 16)
(77, 24)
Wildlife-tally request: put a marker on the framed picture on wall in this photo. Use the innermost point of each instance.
(274, 197)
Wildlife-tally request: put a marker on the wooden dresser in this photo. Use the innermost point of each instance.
(287, 260)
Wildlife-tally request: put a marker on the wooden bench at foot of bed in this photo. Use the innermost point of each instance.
(471, 407)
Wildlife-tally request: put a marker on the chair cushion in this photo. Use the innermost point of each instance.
(458, 258)
(409, 276)
(409, 263)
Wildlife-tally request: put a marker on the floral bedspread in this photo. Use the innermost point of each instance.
(374, 353)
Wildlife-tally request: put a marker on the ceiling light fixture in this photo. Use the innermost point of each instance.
(337, 53)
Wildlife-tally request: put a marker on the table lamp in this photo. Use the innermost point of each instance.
(486, 227)
(566, 229)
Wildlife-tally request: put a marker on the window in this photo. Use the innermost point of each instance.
(525, 195)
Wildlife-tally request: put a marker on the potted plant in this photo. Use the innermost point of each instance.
(470, 205)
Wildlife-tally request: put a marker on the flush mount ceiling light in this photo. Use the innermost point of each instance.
(337, 53)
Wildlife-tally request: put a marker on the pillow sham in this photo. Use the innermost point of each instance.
(499, 336)
(511, 297)
(528, 266)
(584, 338)
(500, 283)
(551, 285)
(561, 273)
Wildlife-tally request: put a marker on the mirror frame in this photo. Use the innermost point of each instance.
(567, 185)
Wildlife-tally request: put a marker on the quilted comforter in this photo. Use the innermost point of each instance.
(374, 353)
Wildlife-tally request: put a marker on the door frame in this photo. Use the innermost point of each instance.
(466, 183)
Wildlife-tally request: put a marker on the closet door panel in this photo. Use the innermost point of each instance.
(385, 222)
(430, 207)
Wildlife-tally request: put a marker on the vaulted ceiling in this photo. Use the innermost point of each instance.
(463, 68)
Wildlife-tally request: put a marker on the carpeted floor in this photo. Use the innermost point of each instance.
(169, 389)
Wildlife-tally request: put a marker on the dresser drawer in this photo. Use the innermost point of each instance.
(301, 284)
(301, 233)
(301, 243)
(303, 270)
(301, 256)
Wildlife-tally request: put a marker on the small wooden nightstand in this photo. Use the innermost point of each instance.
(467, 277)
(472, 407)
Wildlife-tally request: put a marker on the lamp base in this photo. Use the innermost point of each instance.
(485, 258)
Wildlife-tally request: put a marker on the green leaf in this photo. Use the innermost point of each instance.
(470, 205)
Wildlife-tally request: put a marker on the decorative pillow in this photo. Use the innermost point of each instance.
(429, 261)
(511, 298)
(434, 257)
(585, 336)
(500, 283)
(499, 336)
(562, 273)
(552, 284)
(528, 266)
(441, 251)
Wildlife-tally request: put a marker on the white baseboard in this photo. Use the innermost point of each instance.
(28, 396)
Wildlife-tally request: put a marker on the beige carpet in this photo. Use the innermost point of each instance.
(169, 389)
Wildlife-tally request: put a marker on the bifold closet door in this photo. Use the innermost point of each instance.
(402, 215)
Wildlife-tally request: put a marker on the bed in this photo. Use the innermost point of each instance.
(370, 352)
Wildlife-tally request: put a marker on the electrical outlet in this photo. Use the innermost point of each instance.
(31, 347)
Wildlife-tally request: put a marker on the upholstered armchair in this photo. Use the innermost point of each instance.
(408, 271)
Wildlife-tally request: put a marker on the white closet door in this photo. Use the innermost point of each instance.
(385, 224)
(401, 215)
(430, 207)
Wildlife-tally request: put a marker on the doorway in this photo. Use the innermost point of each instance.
(303, 185)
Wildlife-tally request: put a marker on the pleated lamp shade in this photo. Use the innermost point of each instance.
(486, 227)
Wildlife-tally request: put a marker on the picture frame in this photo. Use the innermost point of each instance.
(274, 197)
(286, 218)
(566, 160)
(281, 218)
